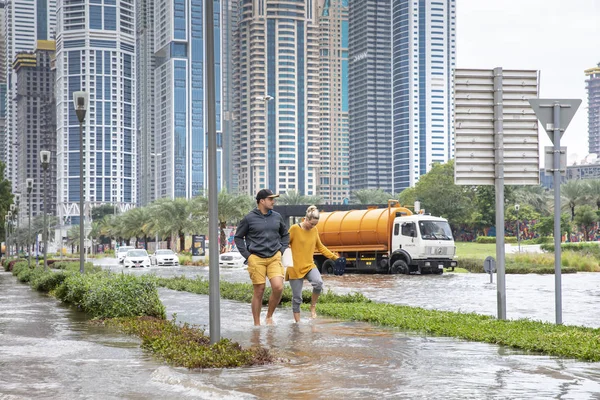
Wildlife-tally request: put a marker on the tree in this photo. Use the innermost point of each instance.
(371, 196)
(98, 213)
(6, 198)
(573, 193)
(136, 223)
(535, 196)
(593, 191)
(231, 208)
(73, 237)
(440, 196)
(407, 196)
(174, 217)
(586, 218)
(295, 198)
(545, 227)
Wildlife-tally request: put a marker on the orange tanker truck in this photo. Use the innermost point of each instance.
(387, 240)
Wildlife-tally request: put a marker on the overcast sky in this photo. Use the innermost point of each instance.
(561, 38)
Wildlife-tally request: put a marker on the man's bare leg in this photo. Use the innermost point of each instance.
(275, 298)
(257, 298)
(297, 317)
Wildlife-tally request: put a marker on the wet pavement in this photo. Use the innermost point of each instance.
(47, 350)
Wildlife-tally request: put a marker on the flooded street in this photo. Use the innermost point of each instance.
(48, 350)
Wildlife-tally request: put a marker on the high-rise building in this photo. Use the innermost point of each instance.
(173, 116)
(334, 167)
(592, 84)
(277, 85)
(25, 22)
(95, 52)
(228, 33)
(2, 84)
(36, 126)
(370, 95)
(424, 57)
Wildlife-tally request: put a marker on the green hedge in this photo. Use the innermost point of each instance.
(492, 239)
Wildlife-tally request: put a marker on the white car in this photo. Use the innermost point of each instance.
(122, 252)
(232, 259)
(165, 257)
(137, 258)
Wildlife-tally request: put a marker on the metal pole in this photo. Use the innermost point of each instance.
(499, 186)
(156, 193)
(81, 202)
(557, 230)
(29, 245)
(519, 232)
(45, 231)
(213, 275)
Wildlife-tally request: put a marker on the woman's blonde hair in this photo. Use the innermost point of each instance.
(312, 212)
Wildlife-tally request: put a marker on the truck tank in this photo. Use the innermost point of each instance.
(368, 229)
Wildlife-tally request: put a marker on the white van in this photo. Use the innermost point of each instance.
(122, 252)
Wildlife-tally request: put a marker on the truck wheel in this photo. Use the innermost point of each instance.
(328, 267)
(399, 267)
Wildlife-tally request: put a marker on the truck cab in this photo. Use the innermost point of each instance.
(421, 244)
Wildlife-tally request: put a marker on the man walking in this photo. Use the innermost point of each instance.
(262, 237)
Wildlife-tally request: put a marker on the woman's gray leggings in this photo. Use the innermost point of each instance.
(314, 277)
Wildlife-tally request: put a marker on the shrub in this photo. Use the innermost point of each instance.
(492, 239)
(48, 280)
(471, 264)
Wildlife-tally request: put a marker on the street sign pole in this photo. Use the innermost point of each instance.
(499, 185)
(555, 115)
(557, 230)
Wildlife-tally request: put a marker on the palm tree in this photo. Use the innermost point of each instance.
(372, 196)
(174, 217)
(294, 197)
(573, 193)
(231, 208)
(593, 191)
(73, 237)
(136, 223)
(535, 196)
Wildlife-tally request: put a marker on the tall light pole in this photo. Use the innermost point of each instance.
(29, 245)
(156, 197)
(266, 98)
(13, 216)
(80, 100)
(7, 221)
(45, 161)
(17, 218)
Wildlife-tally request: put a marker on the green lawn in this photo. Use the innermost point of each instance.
(475, 250)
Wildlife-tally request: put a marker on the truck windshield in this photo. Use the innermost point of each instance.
(435, 230)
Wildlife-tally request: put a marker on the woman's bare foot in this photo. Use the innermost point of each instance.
(313, 311)
(269, 321)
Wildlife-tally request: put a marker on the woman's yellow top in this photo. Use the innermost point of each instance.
(303, 244)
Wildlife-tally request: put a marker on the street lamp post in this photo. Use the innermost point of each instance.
(518, 227)
(45, 161)
(13, 215)
(29, 245)
(80, 100)
(156, 158)
(7, 221)
(17, 218)
(266, 98)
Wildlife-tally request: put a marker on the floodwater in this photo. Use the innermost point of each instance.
(47, 350)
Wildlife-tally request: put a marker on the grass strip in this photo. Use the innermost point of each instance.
(558, 340)
(131, 304)
(187, 345)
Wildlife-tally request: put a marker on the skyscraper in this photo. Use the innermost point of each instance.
(370, 95)
(333, 84)
(96, 53)
(2, 84)
(173, 113)
(276, 143)
(424, 57)
(36, 126)
(592, 84)
(25, 22)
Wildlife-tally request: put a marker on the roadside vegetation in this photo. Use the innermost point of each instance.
(559, 340)
(131, 304)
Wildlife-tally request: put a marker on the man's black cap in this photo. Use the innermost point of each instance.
(265, 193)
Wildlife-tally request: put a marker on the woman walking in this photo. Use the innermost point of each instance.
(304, 240)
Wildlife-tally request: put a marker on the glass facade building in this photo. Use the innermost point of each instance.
(424, 57)
(334, 169)
(592, 84)
(276, 141)
(175, 60)
(370, 95)
(95, 52)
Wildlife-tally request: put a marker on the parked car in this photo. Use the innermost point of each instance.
(165, 257)
(232, 259)
(137, 258)
(122, 252)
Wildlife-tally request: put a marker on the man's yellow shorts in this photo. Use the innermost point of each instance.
(259, 268)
